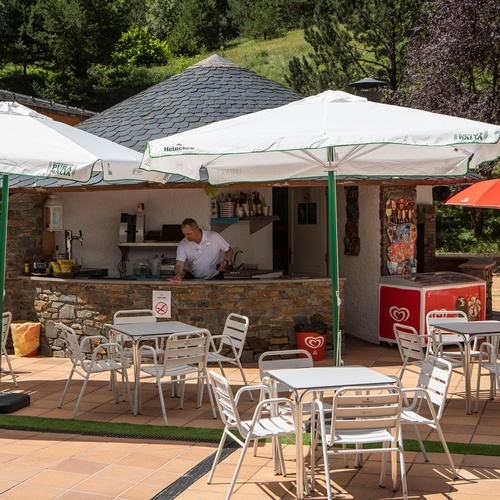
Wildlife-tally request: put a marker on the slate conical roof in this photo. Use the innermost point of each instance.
(211, 90)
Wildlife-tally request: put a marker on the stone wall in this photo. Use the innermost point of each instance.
(24, 237)
(273, 306)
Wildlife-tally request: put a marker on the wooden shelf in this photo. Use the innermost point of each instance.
(255, 223)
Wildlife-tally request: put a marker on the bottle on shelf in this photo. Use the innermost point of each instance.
(26, 265)
(258, 204)
(251, 204)
(265, 208)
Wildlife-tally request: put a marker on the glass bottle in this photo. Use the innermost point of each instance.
(258, 204)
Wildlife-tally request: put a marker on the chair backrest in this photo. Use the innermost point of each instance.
(223, 393)
(6, 321)
(236, 327)
(444, 316)
(128, 316)
(411, 345)
(186, 348)
(72, 344)
(272, 360)
(435, 376)
(366, 408)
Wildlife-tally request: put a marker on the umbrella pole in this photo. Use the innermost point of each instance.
(3, 246)
(334, 267)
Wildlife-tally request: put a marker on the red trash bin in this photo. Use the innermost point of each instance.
(312, 338)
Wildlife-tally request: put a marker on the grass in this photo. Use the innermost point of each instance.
(107, 429)
(268, 58)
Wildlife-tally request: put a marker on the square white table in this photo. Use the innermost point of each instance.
(468, 330)
(139, 332)
(303, 381)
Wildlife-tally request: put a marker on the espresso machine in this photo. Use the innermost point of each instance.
(131, 228)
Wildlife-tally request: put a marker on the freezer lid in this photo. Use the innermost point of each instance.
(431, 279)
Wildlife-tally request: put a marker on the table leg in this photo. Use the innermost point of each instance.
(468, 377)
(299, 447)
(137, 377)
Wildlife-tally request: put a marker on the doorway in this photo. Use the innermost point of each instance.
(308, 231)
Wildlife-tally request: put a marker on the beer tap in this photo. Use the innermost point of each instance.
(69, 242)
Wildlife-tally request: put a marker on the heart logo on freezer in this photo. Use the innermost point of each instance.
(314, 342)
(399, 314)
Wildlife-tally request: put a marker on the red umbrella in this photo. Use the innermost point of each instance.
(484, 194)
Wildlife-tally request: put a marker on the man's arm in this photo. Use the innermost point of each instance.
(178, 268)
(228, 255)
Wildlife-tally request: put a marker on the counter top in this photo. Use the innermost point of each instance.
(164, 281)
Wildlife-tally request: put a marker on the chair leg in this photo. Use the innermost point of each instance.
(80, 396)
(162, 402)
(237, 470)
(394, 470)
(402, 467)
(13, 375)
(420, 442)
(66, 387)
(211, 398)
(217, 456)
(446, 450)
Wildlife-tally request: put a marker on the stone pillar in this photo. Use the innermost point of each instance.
(482, 268)
(426, 222)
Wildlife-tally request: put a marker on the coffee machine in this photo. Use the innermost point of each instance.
(131, 228)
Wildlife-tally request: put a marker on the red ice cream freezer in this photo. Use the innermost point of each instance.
(407, 299)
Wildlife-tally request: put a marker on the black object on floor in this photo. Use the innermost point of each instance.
(13, 401)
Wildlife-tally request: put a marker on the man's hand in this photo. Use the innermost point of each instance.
(176, 279)
(222, 265)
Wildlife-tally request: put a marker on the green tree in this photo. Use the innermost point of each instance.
(161, 17)
(139, 48)
(352, 40)
(454, 60)
(258, 19)
(16, 30)
(79, 33)
(198, 28)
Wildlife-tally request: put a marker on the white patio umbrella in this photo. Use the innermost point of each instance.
(327, 134)
(33, 144)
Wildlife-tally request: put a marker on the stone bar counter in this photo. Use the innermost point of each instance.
(272, 305)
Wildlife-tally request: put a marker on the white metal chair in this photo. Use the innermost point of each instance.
(106, 357)
(228, 347)
(443, 340)
(6, 321)
(424, 404)
(362, 415)
(412, 348)
(184, 359)
(261, 425)
(489, 360)
(131, 316)
(271, 360)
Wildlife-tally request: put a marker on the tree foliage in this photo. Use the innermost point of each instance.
(352, 40)
(161, 17)
(198, 28)
(139, 48)
(454, 60)
(72, 31)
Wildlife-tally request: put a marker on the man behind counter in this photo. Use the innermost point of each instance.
(201, 249)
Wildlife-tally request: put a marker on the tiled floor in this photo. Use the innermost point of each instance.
(69, 466)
